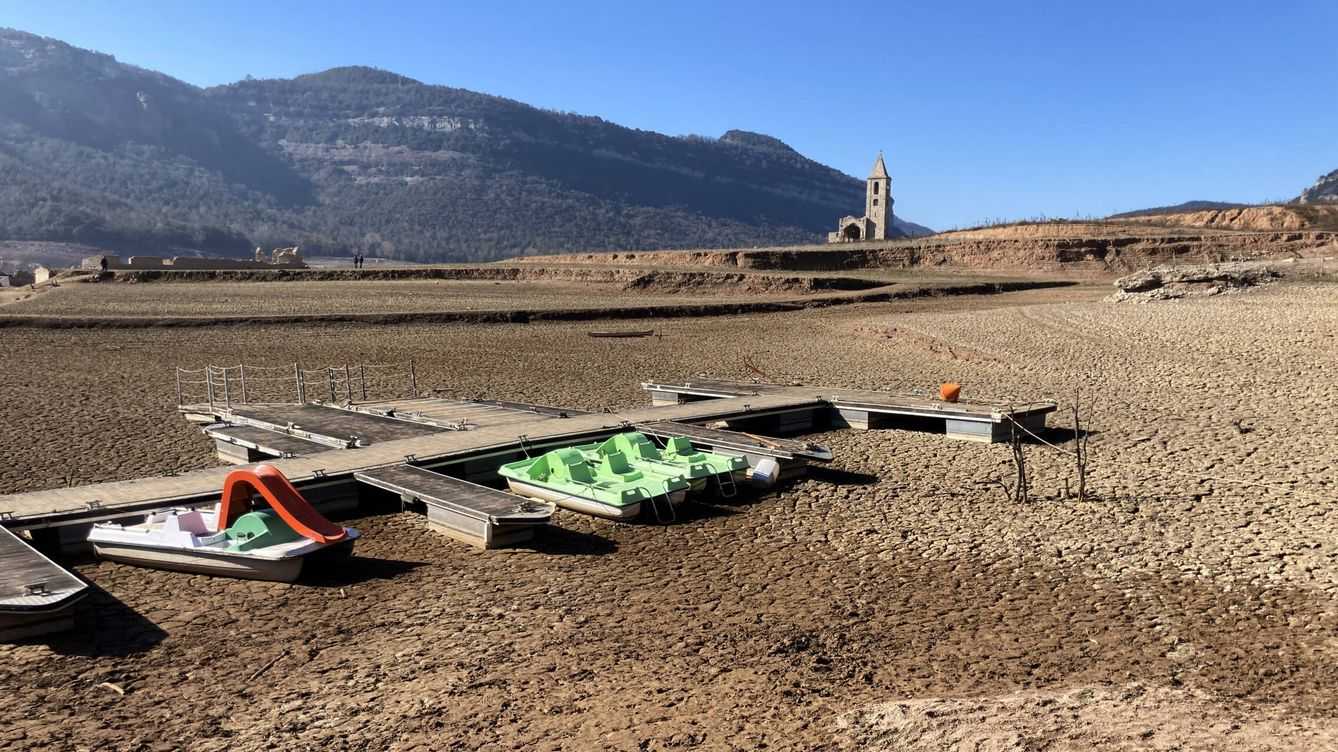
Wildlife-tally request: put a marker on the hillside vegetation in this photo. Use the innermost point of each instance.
(98, 152)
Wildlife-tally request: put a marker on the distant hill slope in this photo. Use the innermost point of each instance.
(1324, 190)
(1184, 208)
(95, 151)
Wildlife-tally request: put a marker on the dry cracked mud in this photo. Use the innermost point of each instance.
(893, 600)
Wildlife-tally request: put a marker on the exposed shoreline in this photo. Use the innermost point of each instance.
(524, 315)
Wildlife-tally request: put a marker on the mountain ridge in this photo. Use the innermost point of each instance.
(1325, 189)
(356, 158)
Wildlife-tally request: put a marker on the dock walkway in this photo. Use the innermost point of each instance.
(972, 420)
(35, 592)
(473, 438)
(477, 515)
(103, 501)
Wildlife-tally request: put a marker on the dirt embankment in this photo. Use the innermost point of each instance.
(1308, 217)
(731, 282)
(878, 294)
(1109, 254)
(1049, 247)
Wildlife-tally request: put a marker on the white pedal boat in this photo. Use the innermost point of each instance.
(274, 544)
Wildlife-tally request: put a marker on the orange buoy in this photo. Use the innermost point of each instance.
(949, 392)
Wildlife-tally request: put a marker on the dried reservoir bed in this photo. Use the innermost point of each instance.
(124, 302)
(894, 601)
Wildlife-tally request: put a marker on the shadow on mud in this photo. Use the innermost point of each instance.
(104, 626)
(1060, 435)
(558, 541)
(358, 569)
(838, 477)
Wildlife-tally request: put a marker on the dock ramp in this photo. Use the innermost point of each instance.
(242, 444)
(36, 594)
(470, 513)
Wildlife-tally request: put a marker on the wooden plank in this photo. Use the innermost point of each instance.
(454, 411)
(32, 583)
(529, 407)
(443, 490)
(335, 423)
(714, 388)
(271, 442)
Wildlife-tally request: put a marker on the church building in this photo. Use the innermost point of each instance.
(876, 224)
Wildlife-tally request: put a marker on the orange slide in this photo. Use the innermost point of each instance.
(282, 496)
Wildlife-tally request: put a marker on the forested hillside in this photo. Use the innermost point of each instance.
(99, 152)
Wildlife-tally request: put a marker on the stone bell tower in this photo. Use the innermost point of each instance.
(878, 200)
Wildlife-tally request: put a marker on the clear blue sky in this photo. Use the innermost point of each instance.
(985, 109)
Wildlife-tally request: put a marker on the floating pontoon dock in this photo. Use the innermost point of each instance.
(852, 408)
(485, 436)
(243, 443)
(35, 593)
(474, 514)
(321, 446)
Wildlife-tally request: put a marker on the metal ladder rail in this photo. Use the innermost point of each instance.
(726, 486)
(655, 507)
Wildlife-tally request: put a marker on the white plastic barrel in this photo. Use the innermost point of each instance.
(765, 473)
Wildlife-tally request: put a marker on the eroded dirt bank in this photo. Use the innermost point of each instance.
(879, 293)
(750, 283)
(1023, 248)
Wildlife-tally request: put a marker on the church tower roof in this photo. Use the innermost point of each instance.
(879, 169)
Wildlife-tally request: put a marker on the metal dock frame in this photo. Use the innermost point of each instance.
(986, 422)
(480, 516)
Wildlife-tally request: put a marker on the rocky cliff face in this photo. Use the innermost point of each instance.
(356, 158)
(1325, 189)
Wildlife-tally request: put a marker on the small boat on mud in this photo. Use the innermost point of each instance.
(611, 488)
(232, 540)
(678, 457)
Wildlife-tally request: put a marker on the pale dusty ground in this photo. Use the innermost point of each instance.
(276, 298)
(896, 601)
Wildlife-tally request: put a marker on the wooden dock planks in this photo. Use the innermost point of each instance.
(444, 411)
(332, 422)
(35, 593)
(480, 516)
(102, 501)
(273, 443)
(971, 420)
(501, 428)
(442, 490)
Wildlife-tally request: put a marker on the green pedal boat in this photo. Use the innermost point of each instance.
(678, 458)
(611, 488)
